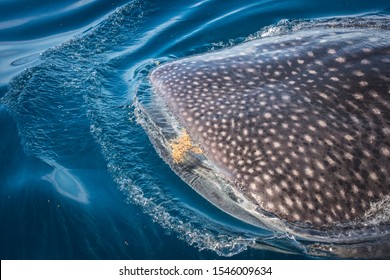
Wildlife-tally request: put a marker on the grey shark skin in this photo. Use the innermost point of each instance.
(299, 124)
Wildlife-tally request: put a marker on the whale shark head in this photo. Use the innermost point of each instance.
(298, 124)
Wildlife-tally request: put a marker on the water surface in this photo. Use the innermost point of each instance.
(79, 178)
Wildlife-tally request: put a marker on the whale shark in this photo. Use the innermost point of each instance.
(298, 125)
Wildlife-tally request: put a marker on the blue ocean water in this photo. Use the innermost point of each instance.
(79, 178)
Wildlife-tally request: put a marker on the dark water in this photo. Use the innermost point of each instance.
(79, 178)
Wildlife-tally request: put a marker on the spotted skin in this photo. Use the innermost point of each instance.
(300, 124)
